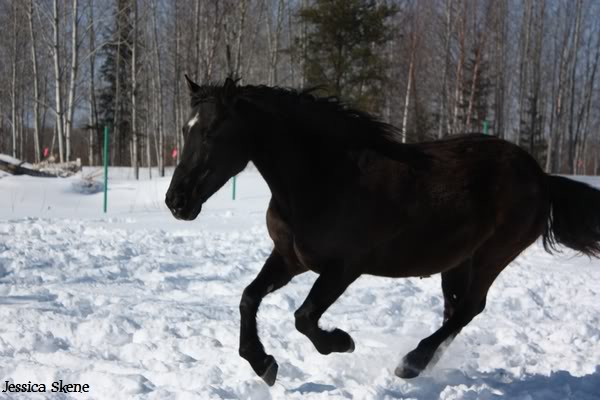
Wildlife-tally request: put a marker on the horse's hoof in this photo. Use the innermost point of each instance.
(406, 371)
(412, 364)
(270, 374)
(351, 347)
(343, 342)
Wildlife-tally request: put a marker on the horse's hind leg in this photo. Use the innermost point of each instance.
(472, 303)
(328, 287)
(455, 284)
(489, 260)
(273, 275)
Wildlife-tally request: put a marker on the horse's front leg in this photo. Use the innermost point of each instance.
(273, 275)
(328, 287)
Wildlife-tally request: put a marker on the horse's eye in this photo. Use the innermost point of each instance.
(210, 131)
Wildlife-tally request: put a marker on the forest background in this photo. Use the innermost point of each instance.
(523, 70)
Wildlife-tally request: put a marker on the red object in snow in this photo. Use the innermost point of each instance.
(46, 151)
(174, 154)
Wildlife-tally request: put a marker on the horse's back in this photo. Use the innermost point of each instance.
(472, 186)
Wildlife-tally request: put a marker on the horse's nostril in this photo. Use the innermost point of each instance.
(175, 202)
(178, 203)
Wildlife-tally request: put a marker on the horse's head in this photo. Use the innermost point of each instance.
(215, 149)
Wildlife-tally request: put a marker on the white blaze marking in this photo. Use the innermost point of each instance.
(193, 121)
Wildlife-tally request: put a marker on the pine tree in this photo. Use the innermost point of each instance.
(114, 105)
(343, 49)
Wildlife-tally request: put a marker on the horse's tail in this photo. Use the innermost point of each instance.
(574, 219)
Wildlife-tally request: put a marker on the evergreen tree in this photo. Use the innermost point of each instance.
(114, 106)
(343, 46)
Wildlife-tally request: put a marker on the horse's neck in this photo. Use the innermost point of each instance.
(298, 174)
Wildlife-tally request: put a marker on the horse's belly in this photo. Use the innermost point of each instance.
(424, 255)
(398, 265)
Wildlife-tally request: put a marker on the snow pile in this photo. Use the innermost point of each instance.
(87, 186)
(139, 305)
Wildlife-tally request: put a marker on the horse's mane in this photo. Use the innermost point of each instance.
(328, 117)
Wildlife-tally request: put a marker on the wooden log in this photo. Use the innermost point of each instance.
(19, 169)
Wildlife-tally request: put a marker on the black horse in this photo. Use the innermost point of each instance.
(349, 199)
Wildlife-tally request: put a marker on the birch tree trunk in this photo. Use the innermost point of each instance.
(292, 58)
(556, 127)
(73, 80)
(178, 98)
(58, 82)
(273, 36)
(500, 71)
(584, 111)
(211, 41)
(94, 129)
(459, 69)
(116, 126)
(303, 45)
(524, 64)
(147, 129)
(13, 84)
(134, 132)
(407, 96)
(36, 85)
(243, 8)
(443, 106)
(537, 122)
(473, 87)
(197, 41)
(161, 146)
(571, 144)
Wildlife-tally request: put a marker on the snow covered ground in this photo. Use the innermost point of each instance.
(139, 305)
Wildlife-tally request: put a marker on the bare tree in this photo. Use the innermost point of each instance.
(583, 115)
(458, 85)
(36, 84)
(480, 42)
(414, 34)
(563, 51)
(211, 38)
(500, 67)
(442, 110)
(134, 133)
(576, 43)
(159, 98)
(274, 34)
(94, 130)
(13, 82)
(58, 80)
(73, 78)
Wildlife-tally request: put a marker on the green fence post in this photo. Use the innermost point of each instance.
(486, 125)
(233, 188)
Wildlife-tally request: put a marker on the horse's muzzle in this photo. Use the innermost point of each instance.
(180, 206)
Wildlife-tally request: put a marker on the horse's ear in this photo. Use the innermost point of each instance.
(229, 88)
(192, 86)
